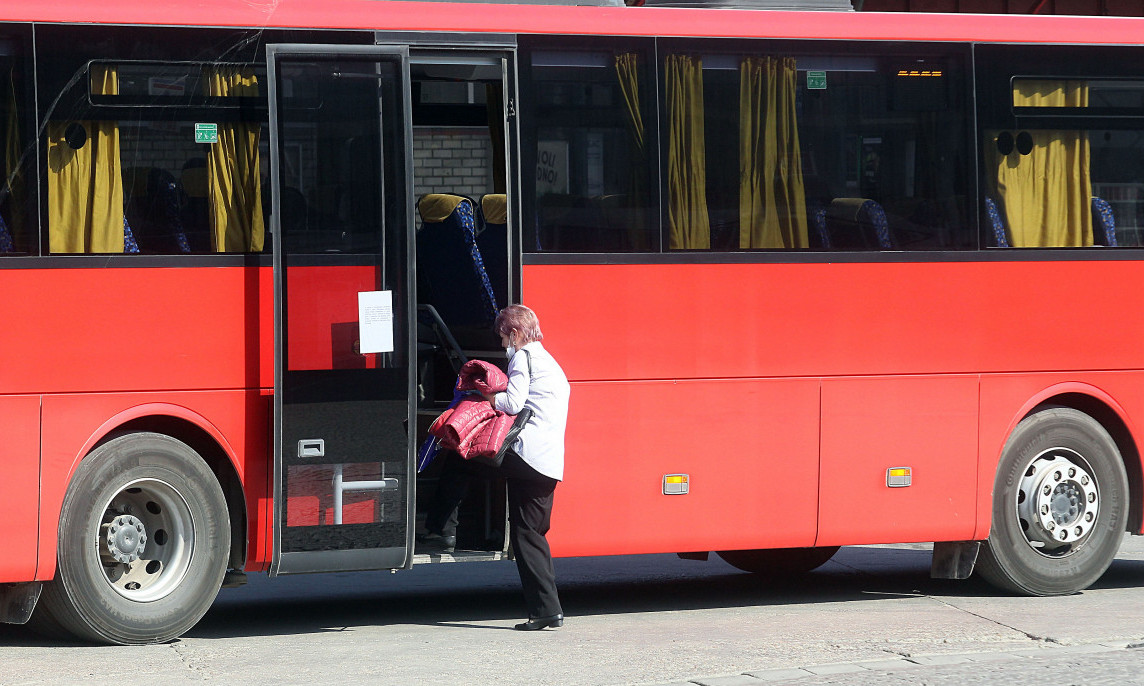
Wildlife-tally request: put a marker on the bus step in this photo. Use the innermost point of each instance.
(460, 556)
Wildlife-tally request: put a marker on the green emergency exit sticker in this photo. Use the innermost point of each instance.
(208, 133)
(816, 80)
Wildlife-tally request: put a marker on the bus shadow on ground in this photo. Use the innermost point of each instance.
(591, 586)
(855, 575)
(1122, 574)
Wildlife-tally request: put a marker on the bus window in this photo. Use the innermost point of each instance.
(589, 133)
(1057, 187)
(17, 220)
(1117, 174)
(1062, 146)
(772, 149)
(839, 152)
(159, 156)
(1065, 188)
(735, 173)
(332, 207)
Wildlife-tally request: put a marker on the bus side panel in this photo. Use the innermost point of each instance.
(19, 486)
(870, 425)
(748, 447)
(675, 321)
(138, 329)
(1007, 398)
(73, 423)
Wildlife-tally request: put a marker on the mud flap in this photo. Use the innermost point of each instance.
(17, 601)
(954, 559)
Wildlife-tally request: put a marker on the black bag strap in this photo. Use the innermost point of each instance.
(525, 413)
(518, 423)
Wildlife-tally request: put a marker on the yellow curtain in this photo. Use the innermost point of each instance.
(85, 185)
(627, 73)
(772, 202)
(690, 227)
(235, 183)
(1046, 193)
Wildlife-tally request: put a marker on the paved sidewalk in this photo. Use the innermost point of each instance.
(1097, 664)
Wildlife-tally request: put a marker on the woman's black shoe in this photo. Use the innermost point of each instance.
(436, 543)
(555, 621)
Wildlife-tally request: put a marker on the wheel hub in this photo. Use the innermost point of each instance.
(1058, 501)
(126, 538)
(146, 540)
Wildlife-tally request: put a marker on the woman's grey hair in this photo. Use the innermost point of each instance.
(521, 319)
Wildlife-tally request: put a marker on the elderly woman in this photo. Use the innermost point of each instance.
(534, 463)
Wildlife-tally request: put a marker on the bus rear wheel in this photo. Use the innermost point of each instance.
(1059, 506)
(779, 562)
(144, 538)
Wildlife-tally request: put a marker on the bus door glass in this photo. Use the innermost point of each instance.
(344, 307)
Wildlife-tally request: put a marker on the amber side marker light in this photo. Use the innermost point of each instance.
(675, 484)
(897, 477)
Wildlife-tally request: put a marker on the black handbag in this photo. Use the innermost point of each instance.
(522, 418)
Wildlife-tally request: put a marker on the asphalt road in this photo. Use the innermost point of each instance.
(870, 616)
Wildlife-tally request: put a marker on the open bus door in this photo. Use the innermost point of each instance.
(341, 171)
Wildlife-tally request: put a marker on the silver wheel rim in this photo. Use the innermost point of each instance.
(145, 540)
(1058, 502)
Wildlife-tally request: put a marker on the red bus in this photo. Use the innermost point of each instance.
(817, 279)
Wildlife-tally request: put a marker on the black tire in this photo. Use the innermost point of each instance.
(1059, 506)
(779, 563)
(109, 587)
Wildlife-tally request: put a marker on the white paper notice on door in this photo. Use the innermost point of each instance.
(375, 321)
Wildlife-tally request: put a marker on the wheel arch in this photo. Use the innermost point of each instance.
(1109, 414)
(204, 438)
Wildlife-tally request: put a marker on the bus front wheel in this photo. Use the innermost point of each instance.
(144, 538)
(779, 562)
(1059, 506)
